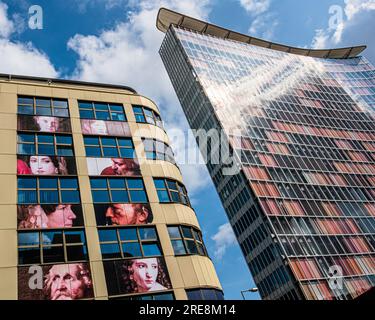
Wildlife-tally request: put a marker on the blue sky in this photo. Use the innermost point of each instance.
(116, 41)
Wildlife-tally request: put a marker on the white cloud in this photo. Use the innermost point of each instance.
(264, 26)
(357, 27)
(255, 6)
(128, 54)
(20, 58)
(224, 239)
(6, 25)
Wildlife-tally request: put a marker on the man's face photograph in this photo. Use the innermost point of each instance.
(127, 214)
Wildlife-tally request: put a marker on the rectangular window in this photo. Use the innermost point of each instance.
(146, 115)
(43, 106)
(101, 111)
(158, 150)
(132, 242)
(44, 144)
(110, 147)
(47, 190)
(171, 191)
(186, 240)
(118, 190)
(40, 247)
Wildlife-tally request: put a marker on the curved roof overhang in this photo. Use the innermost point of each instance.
(168, 17)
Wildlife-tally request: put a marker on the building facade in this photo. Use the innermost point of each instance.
(300, 127)
(92, 203)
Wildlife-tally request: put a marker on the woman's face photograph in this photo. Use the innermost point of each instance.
(62, 217)
(145, 272)
(42, 165)
(47, 124)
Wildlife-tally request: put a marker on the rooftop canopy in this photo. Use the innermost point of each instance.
(168, 17)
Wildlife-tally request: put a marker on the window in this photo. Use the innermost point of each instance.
(122, 243)
(171, 191)
(205, 294)
(47, 190)
(186, 240)
(158, 150)
(40, 247)
(110, 147)
(146, 115)
(118, 190)
(101, 111)
(43, 106)
(44, 144)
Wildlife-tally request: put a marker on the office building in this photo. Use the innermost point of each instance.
(299, 124)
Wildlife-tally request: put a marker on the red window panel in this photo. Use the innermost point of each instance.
(256, 173)
(293, 208)
(370, 207)
(270, 207)
(331, 209)
(267, 160)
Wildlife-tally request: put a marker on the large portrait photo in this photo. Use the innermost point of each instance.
(141, 275)
(46, 165)
(123, 214)
(71, 281)
(113, 167)
(49, 216)
(43, 124)
(105, 128)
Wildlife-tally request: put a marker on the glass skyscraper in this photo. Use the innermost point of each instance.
(300, 125)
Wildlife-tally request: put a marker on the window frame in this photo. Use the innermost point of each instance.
(119, 242)
(157, 121)
(101, 146)
(94, 111)
(180, 187)
(34, 106)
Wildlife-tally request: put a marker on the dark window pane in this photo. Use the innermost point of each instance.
(49, 196)
(69, 183)
(28, 256)
(52, 237)
(98, 183)
(45, 149)
(93, 152)
(28, 238)
(119, 196)
(147, 233)
(101, 106)
(26, 149)
(178, 247)
(25, 100)
(191, 247)
(43, 111)
(110, 250)
(137, 109)
(48, 183)
(135, 183)
(85, 105)
(23, 137)
(64, 140)
(186, 231)
(194, 295)
(107, 235)
(100, 115)
(131, 249)
(116, 107)
(110, 152)
(70, 197)
(53, 254)
(172, 185)
(60, 112)
(76, 253)
(125, 143)
(64, 151)
(174, 232)
(86, 114)
(151, 249)
(128, 234)
(127, 153)
(159, 184)
(60, 103)
(26, 183)
(25, 110)
(45, 138)
(109, 142)
(138, 196)
(27, 197)
(100, 196)
(163, 196)
(117, 116)
(140, 118)
(117, 183)
(91, 141)
(75, 236)
(43, 102)
(175, 197)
